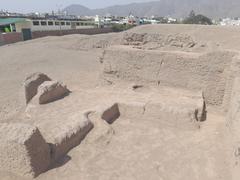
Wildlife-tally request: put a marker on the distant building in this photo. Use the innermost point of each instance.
(50, 24)
(106, 21)
(40, 24)
(151, 21)
(131, 19)
(230, 22)
(98, 21)
(14, 24)
(171, 20)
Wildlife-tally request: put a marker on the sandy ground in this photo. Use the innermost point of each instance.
(144, 148)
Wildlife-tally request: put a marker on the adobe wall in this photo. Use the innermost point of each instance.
(1, 40)
(8, 38)
(233, 124)
(208, 72)
(38, 34)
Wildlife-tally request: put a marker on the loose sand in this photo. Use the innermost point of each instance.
(162, 131)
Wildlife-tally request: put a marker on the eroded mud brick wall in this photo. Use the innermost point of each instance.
(233, 124)
(207, 72)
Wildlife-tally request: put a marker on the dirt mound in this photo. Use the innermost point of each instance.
(148, 41)
(163, 104)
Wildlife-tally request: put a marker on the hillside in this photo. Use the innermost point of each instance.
(175, 8)
(77, 9)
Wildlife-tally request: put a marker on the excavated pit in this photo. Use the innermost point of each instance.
(155, 111)
(68, 129)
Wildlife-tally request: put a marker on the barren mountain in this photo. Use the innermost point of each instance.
(77, 9)
(175, 8)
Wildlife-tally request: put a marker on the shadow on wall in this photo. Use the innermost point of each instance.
(61, 162)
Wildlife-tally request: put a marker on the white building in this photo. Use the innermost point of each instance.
(131, 19)
(98, 21)
(171, 20)
(151, 21)
(230, 22)
(48, 25)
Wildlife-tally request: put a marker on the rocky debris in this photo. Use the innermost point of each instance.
(101, 44)
(51, 91)
(32, 83)
(86, 43)
(134, 38)
(70, 135)
(157, 41)
(180, 41)
(23, 151)
(148, 41)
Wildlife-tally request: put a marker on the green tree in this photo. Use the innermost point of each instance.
(192, 14)
(121, 27)
(7, 29)
(197, 19)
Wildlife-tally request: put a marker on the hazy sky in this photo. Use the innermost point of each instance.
(48, 5)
